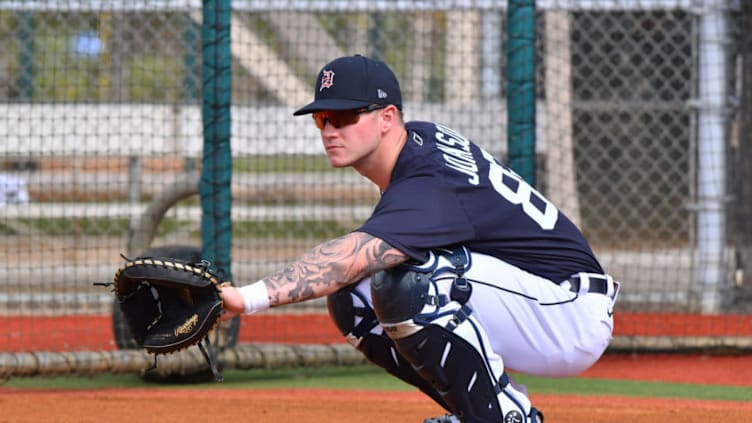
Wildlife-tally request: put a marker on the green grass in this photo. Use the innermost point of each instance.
(633, 388)
(371, 378)
(282, 163)
(355, 377)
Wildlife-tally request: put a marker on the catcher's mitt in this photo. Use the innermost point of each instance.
(169, 304)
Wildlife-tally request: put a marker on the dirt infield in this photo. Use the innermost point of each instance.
(332, 406)
(302, 405)
(352, 406)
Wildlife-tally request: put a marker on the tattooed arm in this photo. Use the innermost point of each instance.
(324, 270)
(331, 266)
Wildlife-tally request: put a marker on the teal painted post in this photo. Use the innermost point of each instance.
(521, 88)
(216, 170)
(190, 72)
(25, 21)
(375, 34)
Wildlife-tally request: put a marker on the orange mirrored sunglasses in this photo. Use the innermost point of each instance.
(340, 118)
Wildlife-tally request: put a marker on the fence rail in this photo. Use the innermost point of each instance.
(143, 129)
(351, 5)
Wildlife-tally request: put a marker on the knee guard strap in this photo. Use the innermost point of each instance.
(403, 293)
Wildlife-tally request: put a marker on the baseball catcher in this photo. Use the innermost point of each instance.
(463, 271)
(170, 305)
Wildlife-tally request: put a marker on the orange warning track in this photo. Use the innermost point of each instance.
(66, 333)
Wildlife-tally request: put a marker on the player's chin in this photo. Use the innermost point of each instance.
(337, 161)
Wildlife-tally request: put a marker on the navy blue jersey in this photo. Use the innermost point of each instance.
(446, 191)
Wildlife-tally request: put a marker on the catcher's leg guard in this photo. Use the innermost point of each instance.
(355, 319)
(445, 345)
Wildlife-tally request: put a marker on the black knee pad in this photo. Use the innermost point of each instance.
(344, 312)
(456, 371)
(399, 294)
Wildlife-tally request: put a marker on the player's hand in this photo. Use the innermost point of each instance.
(232, 303)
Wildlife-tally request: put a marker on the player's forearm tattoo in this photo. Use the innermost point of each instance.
(330, 266)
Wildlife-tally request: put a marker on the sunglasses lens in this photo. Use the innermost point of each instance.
(338, 118)
(320, 118)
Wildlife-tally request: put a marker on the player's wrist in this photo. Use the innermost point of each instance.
(255, 297)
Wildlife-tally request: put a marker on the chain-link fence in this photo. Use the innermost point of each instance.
(637, 140)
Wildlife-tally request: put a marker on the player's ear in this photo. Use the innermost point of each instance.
(389, 117)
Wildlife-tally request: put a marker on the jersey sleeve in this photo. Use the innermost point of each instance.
(416, 215)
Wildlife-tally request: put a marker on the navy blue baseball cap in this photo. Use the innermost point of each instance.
(354, 82)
